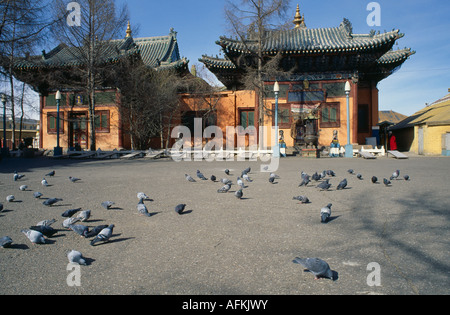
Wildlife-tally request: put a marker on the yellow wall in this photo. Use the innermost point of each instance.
(432, 138)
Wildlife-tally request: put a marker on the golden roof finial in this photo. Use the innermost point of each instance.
(128, 30)
(299, 20)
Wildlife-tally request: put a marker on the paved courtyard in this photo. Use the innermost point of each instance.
(226, 246)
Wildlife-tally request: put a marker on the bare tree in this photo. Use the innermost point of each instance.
(100, 22)
(251, 21)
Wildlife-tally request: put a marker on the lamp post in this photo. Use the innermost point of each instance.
(57, 150)
(348, 146)
(276, 149)
(4, 148)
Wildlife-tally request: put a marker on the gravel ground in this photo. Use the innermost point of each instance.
(226, 246)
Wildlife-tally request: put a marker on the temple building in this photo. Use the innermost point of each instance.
(48, 73)
(316, 64)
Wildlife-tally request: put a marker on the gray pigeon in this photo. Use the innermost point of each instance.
(107, 204)
(247, 178)
(325, 185)
(226, 181)
(359, 176)
(142, 209)
(34, 236)
(79, 229)
(239, 194)
(23, 187)
(69, 213)
(325, 213)
(46, 222)
(5, 241)
(271, 180)
(200, 175)
(386, 182)
(302, 199)
(227, 171)
(180, 208)
(10, 198)
(70, 221)
(51, 201)
(224, 189)
(74, 179)
(213, 178)
(95, 230)
(189, 178)
(396, 174)
(104, 235)
(374, 179)
(342, 184)
(46, 230)
(17, 176)
(84, 215)
(75, 257)
(305, 181)
(350, 171)
(37, 195)
(318, 267)
(406, 177)
(240, 183)
(51, 174)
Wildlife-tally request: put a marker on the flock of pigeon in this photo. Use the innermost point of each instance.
(318, 267)
(38, 233)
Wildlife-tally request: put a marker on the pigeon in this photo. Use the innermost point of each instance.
(331, 173)
(239, 194)
(200, 175)
(325, 213)
(406, 177)
(46, 230)
(75, 257)
(37, 195)
(305, 181)
(315, 176)
(70, 213)
(226, 181)
(34, 236)
(240, 183)
(79, 229)
(1, 207)
(386, 182)
(396, 174)
(74, 179)
(374, 179)
(302, 199)
(189, 178)
(104, 235)
(180, 208)
(107, 204)
(274, 175)
(95, 230)
(272, 180)
(84, 215)
(227, 171)
(142, 209)
(70, 221)
(51, 201)
(141, 195)
(247, 178)
(213, 178)
(46, 222)
(44, 182)
(23, 187)
(5, 241)
(342, 184)
(224, 189)
(17, 176)
(318, 267)
(359, 176)
(350, 171)
(247, 170)
(10, 198)
(325, 185)
(51, 174)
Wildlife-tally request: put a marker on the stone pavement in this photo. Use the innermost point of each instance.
(226, 246)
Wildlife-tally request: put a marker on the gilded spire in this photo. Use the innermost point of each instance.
(299, 20)
(128, 30)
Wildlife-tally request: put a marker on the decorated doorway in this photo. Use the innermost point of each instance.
(78, 131)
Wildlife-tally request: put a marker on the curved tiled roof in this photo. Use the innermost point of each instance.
(155, 52)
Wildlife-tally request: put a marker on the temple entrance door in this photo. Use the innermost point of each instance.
(78, 131)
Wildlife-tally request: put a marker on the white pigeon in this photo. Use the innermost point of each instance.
(10, 198)
(141, 195)
(70, 221)
(34, 236)
(75, 257)
(44, 182)
(23, 187)
(84, 215)
(325, 213)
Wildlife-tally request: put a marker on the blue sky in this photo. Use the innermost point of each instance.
(424, 78)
